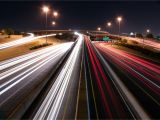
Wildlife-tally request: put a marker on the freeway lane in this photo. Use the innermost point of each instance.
(141, 77)
(22, 78)
(108, 97)
(22, 41)
(61, 100)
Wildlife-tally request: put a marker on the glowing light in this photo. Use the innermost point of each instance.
(99, 29)
(45, 9)
(131, 33)
(60, 34)
(55, 14)
(76, 33)
(119, 19)
(109, 24)
(53, 23)
(148, 30)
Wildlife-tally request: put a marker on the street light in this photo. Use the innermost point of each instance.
(46, 10)
(109, 24)
(148, 30)
(53, 23)
(55, 14)
(99, 29)
(119, 19)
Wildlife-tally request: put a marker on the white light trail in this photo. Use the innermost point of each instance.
(8, 63)
(26, 64)
(53, 101)
(22, 41)
(36, 62)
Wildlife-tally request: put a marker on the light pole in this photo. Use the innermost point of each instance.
(119, 19)
(109, 24)
(46, 10)
(148, 31)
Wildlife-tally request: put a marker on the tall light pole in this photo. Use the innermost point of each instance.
(46, 10)
(109, 24)
(119, 19)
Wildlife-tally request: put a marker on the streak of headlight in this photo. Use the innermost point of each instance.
(34, 68)
(14, 61)
(145, 78)
(18, 68)
(53, 101)
(22, 41)
(9, 81)
(129, 97)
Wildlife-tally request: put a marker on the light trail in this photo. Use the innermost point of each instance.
(52, 104)
(31, 70)
(7, 63)
(137, 65)
(139, 74)
(44, 55)
(22, 41)
(111, 101)
(38, 54)
(19, 78)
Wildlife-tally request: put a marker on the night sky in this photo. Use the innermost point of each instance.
(137, 16)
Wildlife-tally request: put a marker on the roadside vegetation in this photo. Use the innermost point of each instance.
(40, 46)
(134, 45)
(26, 48)
(61, 37)
(144, 50)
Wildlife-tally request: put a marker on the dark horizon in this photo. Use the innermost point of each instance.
(137, 16)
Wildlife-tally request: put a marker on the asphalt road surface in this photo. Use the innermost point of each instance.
(22, 77)
(120, 85)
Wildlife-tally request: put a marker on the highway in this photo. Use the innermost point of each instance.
(22, 78)
(142, 77)
(45, 84)
(60, 102)
(21, 41)
(120, 85)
